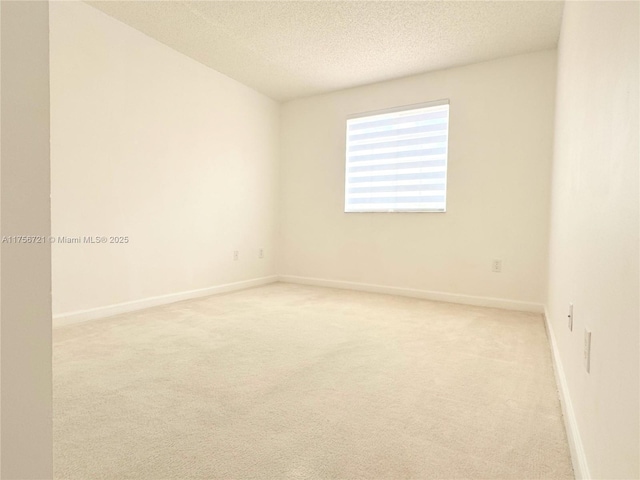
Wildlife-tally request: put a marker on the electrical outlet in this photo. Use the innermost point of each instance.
(570, 317)
(236, 255)
(587, 350)
(261, 253)
(496, 266)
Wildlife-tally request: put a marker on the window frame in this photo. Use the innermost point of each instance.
(401, 108)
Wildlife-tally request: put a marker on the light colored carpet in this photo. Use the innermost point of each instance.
(296, 382)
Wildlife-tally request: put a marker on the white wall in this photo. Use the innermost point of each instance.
(25, 291)
(500, 147)
(149, 144)
(594, 241)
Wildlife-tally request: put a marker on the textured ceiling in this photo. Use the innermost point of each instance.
(293, 49)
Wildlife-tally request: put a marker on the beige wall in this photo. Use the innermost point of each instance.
(25, 291)
(500, 147)
(594, 246)
(150, 144)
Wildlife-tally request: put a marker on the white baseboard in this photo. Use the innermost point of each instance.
(578, 457)
(115, 309)
(415, 293)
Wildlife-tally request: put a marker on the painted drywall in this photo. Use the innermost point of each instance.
(0, 233)
(500, 147)
(148, 144)
(594, 234)
(25, 292)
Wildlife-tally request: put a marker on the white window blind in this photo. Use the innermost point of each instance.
(397, 160)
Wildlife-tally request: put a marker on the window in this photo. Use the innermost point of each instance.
(397, 160)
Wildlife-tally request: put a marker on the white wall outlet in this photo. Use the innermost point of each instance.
(570, 317)
(261, 253)
(496, 266)
(587, 350)
(236, 255)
